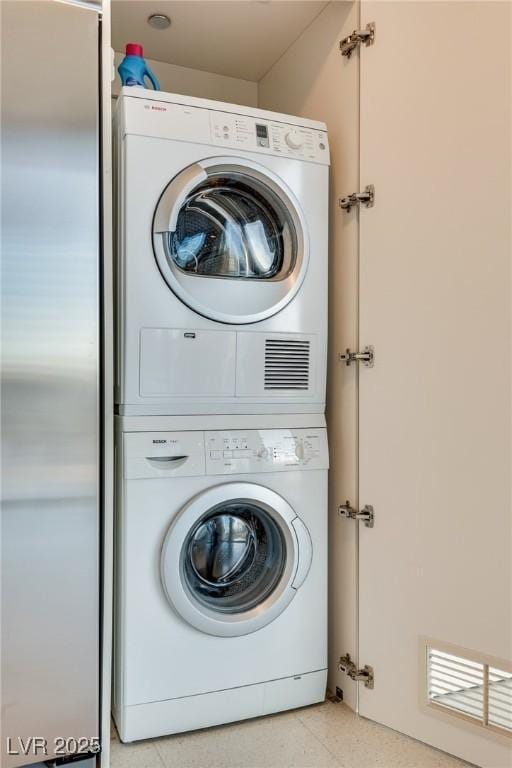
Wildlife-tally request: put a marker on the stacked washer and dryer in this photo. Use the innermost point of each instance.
(221, 503)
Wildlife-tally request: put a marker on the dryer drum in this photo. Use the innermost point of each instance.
(234, 557)
(232, 228)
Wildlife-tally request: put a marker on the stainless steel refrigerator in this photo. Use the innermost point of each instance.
(50, 310)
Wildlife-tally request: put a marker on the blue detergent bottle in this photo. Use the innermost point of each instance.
(133, 69)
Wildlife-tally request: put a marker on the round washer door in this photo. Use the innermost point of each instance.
(230, 240)
(234, 558)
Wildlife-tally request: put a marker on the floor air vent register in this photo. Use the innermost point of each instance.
(470, 689)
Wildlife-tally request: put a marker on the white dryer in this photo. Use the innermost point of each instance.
(222, 257)
(221, 609)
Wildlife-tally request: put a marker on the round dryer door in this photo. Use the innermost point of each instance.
(234, 558)
(230, 241)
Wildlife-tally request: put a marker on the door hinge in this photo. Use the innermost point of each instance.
(366, 198)
(367, 356)
(364, 675)
(366, 515)
(358, 37)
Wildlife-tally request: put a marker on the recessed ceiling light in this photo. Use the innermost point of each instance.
(159, 21)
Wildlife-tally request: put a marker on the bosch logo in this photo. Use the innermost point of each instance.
(159, 109)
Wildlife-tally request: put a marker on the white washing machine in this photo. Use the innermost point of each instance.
(222, 257)
(221, 571)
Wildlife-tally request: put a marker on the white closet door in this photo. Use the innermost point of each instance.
(435, 415)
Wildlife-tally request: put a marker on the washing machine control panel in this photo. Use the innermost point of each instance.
(269, 136)
(272, 450)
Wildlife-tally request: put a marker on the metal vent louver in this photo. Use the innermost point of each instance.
(287, 364)
(499, 705)
(471, 689)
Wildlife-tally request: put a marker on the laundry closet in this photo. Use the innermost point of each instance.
(394, 110)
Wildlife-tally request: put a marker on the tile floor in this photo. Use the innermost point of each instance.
(320, 736)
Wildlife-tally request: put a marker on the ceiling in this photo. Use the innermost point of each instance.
(238, 38)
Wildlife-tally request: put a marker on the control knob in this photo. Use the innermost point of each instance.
(300, 452)
(294, 139)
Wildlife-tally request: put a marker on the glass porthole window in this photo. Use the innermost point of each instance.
(231, 227)
(234, 557)
(230, 240)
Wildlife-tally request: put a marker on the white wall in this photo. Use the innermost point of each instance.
(312, 79)
(195, 82)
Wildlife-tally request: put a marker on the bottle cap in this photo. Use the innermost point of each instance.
(134, 49)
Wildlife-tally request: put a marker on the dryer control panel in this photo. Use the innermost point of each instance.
(272, 450)
(245, 132)
(197, 121)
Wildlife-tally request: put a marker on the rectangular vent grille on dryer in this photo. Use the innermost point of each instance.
(287, 364)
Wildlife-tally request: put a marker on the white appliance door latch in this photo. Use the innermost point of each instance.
(305, 552)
